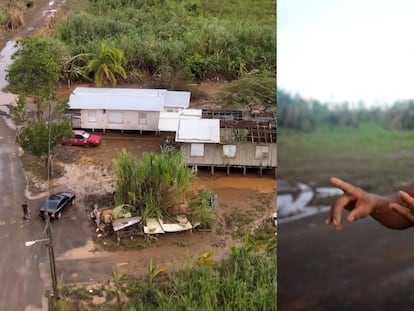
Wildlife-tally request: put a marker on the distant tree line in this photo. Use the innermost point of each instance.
(297, 113)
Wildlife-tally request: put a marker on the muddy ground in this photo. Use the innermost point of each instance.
(244, 202)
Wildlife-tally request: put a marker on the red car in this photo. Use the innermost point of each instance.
(82, 138)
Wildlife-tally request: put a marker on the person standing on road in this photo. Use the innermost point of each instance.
(25, 208)
(395, 211)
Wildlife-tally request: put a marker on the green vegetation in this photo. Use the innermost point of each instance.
(305, 115)
(372, 147)
(36, 67)
(34, 136)
(35, 73)
(249, 91)
(246, 280)
(105, 65)
(158, 183)
(191, 39)
(371, 156)
(201, 209)
(170, 43)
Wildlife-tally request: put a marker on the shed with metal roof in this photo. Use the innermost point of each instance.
(228, 142)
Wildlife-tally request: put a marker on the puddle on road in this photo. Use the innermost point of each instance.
(6, 98)
(5, 61)
(291, 207)
(83, 252)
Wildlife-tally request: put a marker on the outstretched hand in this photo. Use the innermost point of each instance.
(359, 203)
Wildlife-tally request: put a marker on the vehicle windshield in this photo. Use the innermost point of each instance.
(51, 205)
(86, 135)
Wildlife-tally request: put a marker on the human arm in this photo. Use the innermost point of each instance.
(387, 210)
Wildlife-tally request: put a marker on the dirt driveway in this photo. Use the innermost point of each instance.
(244, 203)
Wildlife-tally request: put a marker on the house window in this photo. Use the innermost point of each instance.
(262, 152)
(115, 117)
(92, 116)
(142, 118)
(229, 151)
(197, 150)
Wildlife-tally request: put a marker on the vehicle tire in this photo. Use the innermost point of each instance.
(59, 215)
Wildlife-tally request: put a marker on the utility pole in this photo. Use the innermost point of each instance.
(49, 229)
(52, 260)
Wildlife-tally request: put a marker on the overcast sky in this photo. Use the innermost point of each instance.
(337, 50)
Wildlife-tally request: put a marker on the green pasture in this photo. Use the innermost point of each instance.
(370, 156)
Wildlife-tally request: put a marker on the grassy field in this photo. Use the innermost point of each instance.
(370, 156)
(183, 40)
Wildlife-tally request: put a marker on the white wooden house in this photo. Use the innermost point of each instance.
(221, 143)
(123, 108)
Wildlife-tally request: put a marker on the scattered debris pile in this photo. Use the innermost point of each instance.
(122, 222)
(118, 220)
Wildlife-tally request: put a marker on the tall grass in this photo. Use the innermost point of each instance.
(246, 280)
(157, 182)
(200, 208)
(231, 37)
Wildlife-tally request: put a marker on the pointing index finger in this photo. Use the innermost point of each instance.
(344, 186)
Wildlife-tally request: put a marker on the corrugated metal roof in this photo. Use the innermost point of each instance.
(125, 99)
(168, 121)
(198, 131)
(177, 99)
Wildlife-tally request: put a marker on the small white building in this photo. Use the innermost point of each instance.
(208, 143)
(123, 108)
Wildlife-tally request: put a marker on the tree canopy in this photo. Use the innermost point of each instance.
(301, 114)
(105, 65)
(35, 73)
(36, 69)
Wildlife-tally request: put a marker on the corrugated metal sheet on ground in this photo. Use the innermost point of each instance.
(153, 226)
(183, 225)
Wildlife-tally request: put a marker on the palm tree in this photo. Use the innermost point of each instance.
(105, 65)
